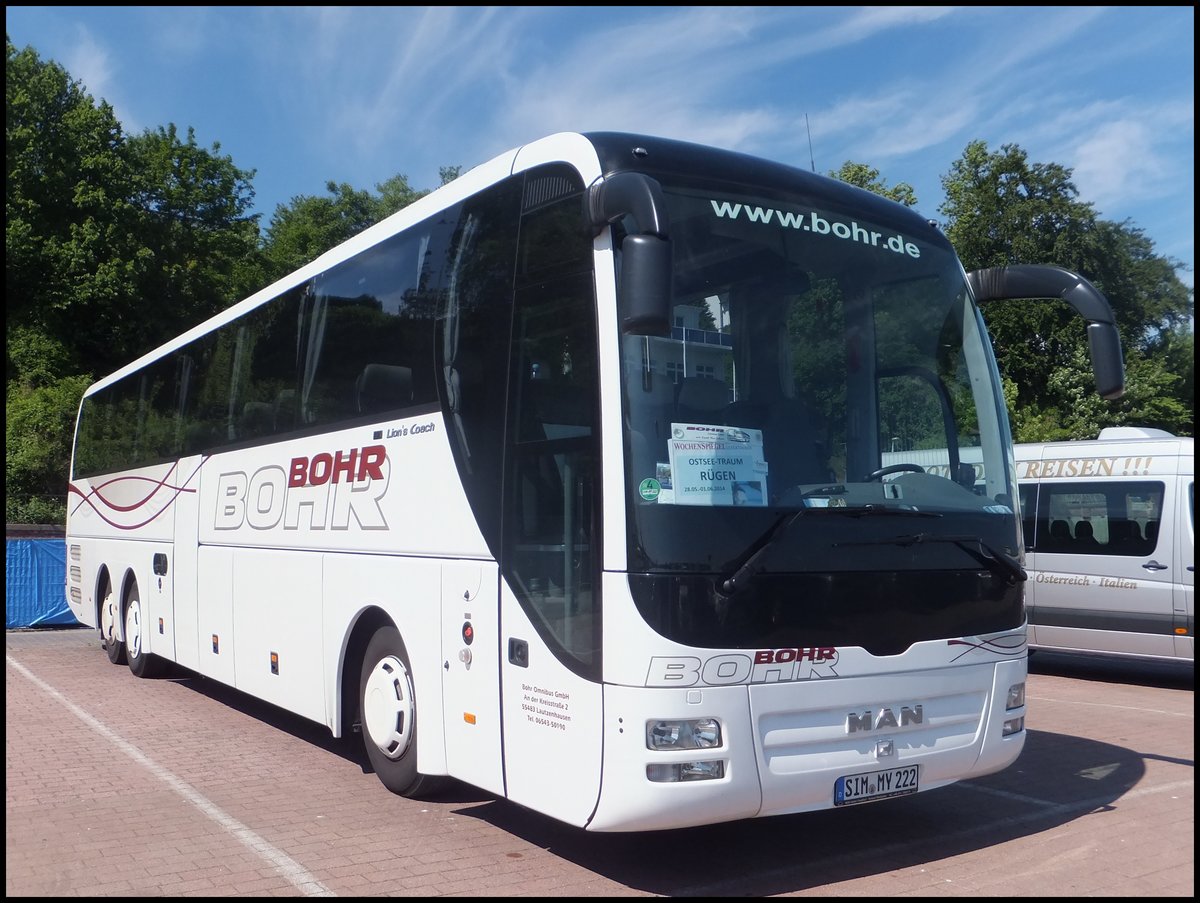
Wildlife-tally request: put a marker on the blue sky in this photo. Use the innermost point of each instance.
(305, 95)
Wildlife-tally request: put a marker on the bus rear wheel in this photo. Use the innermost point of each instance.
(141, 662)
(109, 621)
(388, 715)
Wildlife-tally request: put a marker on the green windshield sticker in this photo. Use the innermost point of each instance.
(649, 489)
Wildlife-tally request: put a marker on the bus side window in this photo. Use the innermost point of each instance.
(1060, 536)
(1099, 518)
(381, 387)
(257, 420)
(284, 411)
(1120, 536)
(1085, 535)
(1152, 536)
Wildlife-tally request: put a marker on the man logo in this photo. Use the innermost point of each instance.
(884, 719)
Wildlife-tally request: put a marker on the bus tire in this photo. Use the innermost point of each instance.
(110, 620)
(141, 662)
(388, 715)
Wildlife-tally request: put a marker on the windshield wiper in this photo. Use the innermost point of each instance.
(881, 511)
(755, 551)
(834, 489)
(743, 573)
(748, 568)
(997, 560)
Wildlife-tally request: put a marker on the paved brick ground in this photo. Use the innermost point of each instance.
(180, 787)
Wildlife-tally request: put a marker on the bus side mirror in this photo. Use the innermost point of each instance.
(645, 289)
(1108, 368)
(1025, 281)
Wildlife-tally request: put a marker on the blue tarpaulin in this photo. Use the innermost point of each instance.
(35, 573)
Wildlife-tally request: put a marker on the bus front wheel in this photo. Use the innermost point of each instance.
(388, 715)
(109, 621)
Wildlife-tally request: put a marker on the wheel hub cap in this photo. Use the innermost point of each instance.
(388, 707)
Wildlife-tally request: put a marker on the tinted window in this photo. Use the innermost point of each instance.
(1098, 518)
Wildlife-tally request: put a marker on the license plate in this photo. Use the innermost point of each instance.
(875, 785)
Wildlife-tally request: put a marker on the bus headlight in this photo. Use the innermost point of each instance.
(1015, 700)
(701, 733)
(1016, 696)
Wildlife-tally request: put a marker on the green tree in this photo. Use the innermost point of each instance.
(115, 244)
(133, 238)
(197, 239)
(303, 230)
(395, 194)
(868, 177)
(71, 255)
(1003, 210)
(39, 423)
(308, 226)
(112, 245)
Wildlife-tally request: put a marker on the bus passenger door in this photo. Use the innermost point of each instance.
(550, 594)
(471, 673)
(183, 566)
(553, 720)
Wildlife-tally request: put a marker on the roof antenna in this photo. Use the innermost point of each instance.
(810, 151)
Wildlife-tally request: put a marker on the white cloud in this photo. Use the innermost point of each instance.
(1136, 155)
(89, 62)
(359, 94)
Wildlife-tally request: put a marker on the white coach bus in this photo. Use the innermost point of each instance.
(1110, 535)
(566, 482)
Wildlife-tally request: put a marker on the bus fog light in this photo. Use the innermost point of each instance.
(685, 771)
(1016, 696)
(662, 774)
(1014, 725)
(701, 771)
(699, 733)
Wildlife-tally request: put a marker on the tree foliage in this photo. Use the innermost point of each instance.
(1003, 210)
(197, 237)
(113, 243)
(309, 226)
(302, 230)
(71, 249)
(133, 236)
(38, 427)
(867, 177)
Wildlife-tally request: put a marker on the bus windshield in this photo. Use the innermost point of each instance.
(823, 361)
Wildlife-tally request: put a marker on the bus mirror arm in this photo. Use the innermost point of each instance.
(1026, 281)
(628, 194)
(646, 259)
